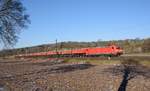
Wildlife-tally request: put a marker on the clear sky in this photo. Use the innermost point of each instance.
(85, 20)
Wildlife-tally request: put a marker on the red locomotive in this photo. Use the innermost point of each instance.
(111, 50)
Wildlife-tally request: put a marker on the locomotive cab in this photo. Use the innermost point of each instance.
(116, 50)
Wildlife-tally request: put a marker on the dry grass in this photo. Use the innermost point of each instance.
(144, 62)
(73, 75)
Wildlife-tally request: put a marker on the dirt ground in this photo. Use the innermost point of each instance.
(47, 75)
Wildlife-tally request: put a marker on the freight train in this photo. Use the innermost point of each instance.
(108, 51)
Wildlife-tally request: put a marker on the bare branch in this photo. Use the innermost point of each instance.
(12, 19)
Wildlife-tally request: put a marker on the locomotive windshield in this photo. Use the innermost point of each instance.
(118, 48)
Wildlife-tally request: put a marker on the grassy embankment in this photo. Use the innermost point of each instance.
(145, 62)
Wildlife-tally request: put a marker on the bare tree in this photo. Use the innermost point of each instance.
(145, 46)
(12, 19)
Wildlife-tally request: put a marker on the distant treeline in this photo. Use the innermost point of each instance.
(129, 46)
